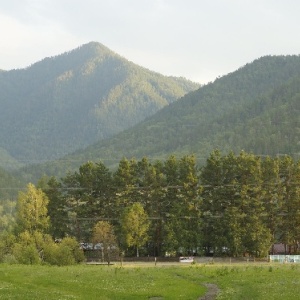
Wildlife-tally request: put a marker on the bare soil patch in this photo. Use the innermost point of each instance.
(212, 292)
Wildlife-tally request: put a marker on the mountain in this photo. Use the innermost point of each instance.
(72, 100)
(255, 109)
(9, 186)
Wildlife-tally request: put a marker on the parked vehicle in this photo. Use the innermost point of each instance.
(186, 259)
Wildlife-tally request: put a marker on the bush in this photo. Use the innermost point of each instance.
(6, 243)
(36, 248)
(73, 246)
(65, 256)
(65, 253)
(9, 259)
(51, 254)
(26, 254)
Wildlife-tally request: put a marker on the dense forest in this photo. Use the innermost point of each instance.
(234, 205)
(254, 109)
(67, 102)
(151, 167)
(9, 185)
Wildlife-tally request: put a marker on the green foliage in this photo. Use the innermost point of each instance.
(64, 103)
(254, 109)
(40, 248)
(69, 252)
(9, 185)
(135, 226)
(103, 234)
(234, 205)
(7, 241)
(7, 215)
(25, 250)
(57, 212)
(32, 210)
(89, 193)
(31, 244)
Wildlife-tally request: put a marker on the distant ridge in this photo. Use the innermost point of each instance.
(255, 109)
(67, 102)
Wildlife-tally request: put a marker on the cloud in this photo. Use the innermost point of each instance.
(196, 39)
(23, 44)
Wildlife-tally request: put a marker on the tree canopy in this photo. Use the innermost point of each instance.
(135, 225)
(236, 204)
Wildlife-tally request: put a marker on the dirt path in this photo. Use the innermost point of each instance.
(212, 291)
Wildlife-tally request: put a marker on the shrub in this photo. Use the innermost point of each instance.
(73, 246)
(36, 248)
(9, 259)
(65, 256)
(26, 254)
(6, 243)
(65, 253)
(51, 254)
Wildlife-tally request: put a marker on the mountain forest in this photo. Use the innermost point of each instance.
(254, 109)
(67, 102)
(164, 165)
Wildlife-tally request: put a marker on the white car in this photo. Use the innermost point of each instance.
(186, 259)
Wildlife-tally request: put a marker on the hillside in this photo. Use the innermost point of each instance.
(255, 108)
(9, 186)
(67, 102)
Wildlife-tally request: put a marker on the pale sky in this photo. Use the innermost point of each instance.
(196, 39)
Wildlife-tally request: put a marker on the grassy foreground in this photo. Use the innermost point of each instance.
(235, 281)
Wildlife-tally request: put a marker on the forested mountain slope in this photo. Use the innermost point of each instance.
(9, 186)
(255, 108)
(67, 102)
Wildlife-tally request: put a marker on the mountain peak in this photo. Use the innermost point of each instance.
(93, 48)
(69, 101)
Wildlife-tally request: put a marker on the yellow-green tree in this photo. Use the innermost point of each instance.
(32, 210)
(103, 233)
(135, 225)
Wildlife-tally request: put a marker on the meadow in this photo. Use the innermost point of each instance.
(147, 281)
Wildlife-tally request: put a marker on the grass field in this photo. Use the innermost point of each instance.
(147, 281)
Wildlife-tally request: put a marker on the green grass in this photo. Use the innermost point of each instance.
(236, 281)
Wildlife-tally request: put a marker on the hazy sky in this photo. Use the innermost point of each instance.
(197, 39)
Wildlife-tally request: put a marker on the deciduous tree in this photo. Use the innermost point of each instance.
(103, 233)
(32, 210)
(135, 225)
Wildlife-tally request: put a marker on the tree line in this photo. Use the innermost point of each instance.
(236, 204)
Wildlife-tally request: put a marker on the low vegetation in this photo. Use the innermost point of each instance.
(234, 281)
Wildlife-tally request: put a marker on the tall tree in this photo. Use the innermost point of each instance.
(290, 212)
(32, 210)
(135, 225)
(256, 236)
(103, 233)
(57, 208)
(90, 196)
(126, 184)
(184, 224)
(213, 180)
(273, 196)
(233, 205)
(152, 195)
